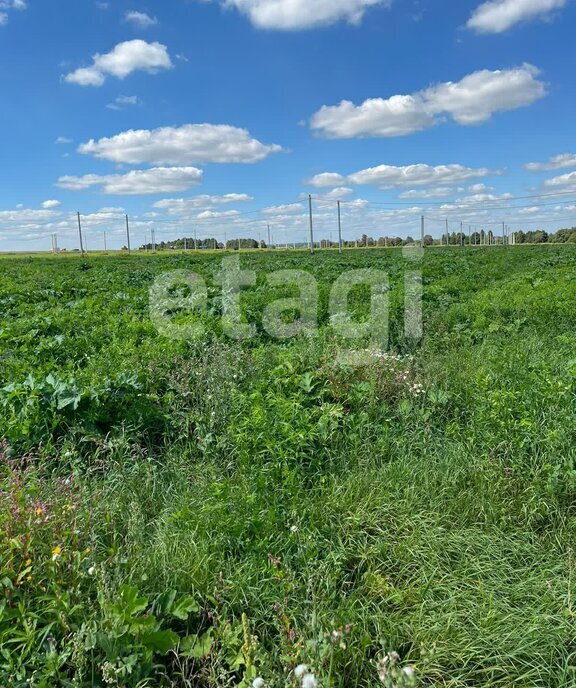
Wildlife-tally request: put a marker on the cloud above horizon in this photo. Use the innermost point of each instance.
(137, 182)
(471, 101)
(497, 16)
(293, 15)
(392, 176)
(124, 59)
(188, 144)
(557, 162)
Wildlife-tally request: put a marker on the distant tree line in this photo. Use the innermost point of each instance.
(538, 236)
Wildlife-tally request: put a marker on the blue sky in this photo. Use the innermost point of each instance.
(224, 115)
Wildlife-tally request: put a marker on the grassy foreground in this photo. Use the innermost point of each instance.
(209, 513)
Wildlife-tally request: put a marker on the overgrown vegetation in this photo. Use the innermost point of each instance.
(214, 513)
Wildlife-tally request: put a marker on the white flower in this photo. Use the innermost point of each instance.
(309, 681)
(409, 671)
(91, 570)
(294, 529)
(300, 670)
(258, 683)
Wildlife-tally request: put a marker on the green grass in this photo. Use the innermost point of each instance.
(289, 495)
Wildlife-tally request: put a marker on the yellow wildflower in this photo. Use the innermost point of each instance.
(56, 552)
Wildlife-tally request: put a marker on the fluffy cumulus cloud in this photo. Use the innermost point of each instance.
(497, 16)
(327, 179)
(338, 193)
(188, 144)
(137, 182)
(7, 5)
(121, 61)
(434, 192)
(564, 180)
(283, 209)
(557, 162)
(472, 100)
(51, 204)
(26, 216)
(215, 214)
(181, 206)
(391, 176)
(140, 20)
(291, 15)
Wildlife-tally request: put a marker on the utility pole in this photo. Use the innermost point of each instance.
(195, 240)
(154, 241)
(461, 234)
(447, 234)
(339, 229)
(422, 231)
(311, 224)
(269, 240)
(80, 235)
(128, 236)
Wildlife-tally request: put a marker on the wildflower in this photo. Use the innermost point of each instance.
(29, 579)
(294, 529)
(300, 670)
(28, 562)
(309, 681)
(91, 570)
(39, 512)
(409, 671)
(56, 552)
(258, 683)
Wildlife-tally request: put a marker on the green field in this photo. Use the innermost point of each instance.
(205, 513)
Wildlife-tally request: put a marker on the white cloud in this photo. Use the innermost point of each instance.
(61, 140)
(190, 143)
(290, 15)
(180, 206)
(7, 5)
(497, 16)
(416, 175)
(211, 214)
(568, 179)
(122, 102)
(137, 182)
(25, 216)
(140, 19)
(395, 116)
(338, 193)
(327, 179)
(483, 198)
(557, 162)
(472, 100)
(436, 192)
(121, 61)
(50, 204)
(479, 188)
(282, 209)
(478, 96)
